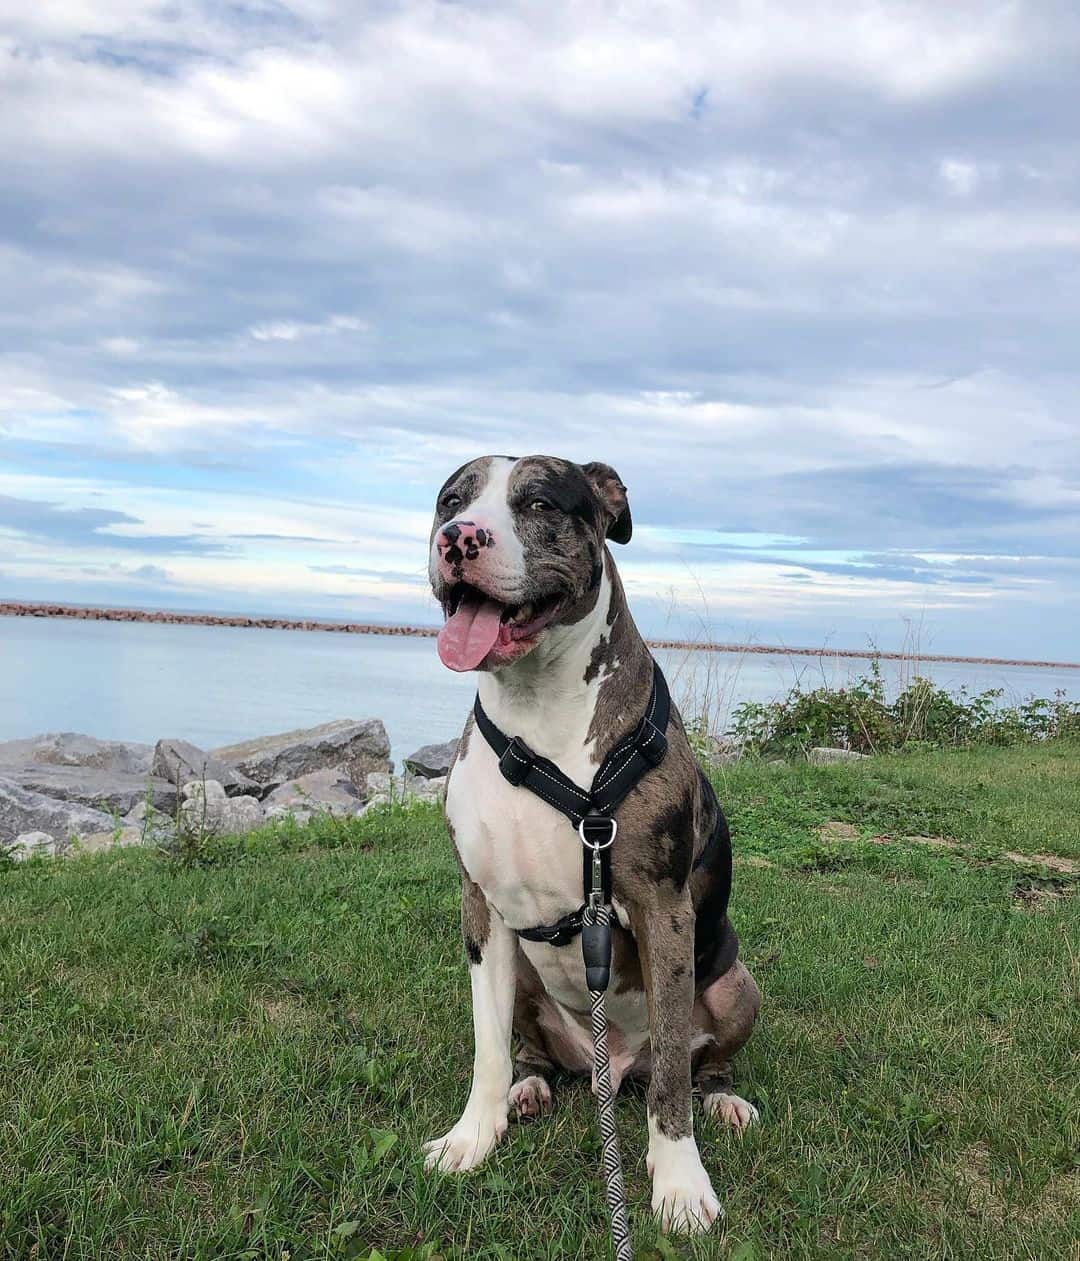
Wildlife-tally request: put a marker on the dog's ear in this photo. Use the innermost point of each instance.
(612, 494)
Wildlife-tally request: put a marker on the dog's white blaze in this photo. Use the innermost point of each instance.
(503, 564)
(683, 1196)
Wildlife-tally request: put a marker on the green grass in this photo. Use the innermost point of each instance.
(241, 1059)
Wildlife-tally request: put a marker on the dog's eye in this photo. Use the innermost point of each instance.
(450, 502)
(540, 505)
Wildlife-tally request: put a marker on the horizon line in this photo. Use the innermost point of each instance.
(92, 613)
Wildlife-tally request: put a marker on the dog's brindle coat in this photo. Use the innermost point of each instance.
(525, 531)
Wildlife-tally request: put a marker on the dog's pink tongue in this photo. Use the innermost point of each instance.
(470, 634)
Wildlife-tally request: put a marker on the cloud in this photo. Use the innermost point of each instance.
(796, 270)
(290, 331)
(98, 528)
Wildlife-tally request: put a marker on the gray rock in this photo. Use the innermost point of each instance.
(319, 792)
(154, 827)
(379, 782)
(198, 789)
(178, 761)
(72, 748)
(221, 816)
(97, 841)
(30, 843)
(383, 787)
(116, 791)
(826, 757)
(299, 814)
(433, 760)
(241, 814)
(22, 810)
(359, 746)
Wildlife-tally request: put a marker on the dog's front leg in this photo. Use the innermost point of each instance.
(491, 948)
(682, 1196)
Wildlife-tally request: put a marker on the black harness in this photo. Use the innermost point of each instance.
(590, 812)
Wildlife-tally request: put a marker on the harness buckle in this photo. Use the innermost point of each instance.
(517, 761)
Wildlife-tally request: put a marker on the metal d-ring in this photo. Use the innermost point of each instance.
(593, 845)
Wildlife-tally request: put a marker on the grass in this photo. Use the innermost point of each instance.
(239, 1058)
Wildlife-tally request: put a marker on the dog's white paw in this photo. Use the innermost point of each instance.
(467, 1144)
(530, 1098)
(730, 1110)
(682, 1195)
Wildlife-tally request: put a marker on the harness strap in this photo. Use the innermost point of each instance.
(632, 758)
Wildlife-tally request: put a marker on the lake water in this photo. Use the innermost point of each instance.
(216, 685)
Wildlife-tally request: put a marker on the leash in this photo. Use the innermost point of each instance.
(592, 814)
(596, 950)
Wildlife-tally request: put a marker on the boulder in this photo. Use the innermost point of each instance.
(22, 810)
(103, 789)
(826, 757)
(319, 792)
(383, 787)
(203, 789)
(27, 844)
(221, 816)
(72, 748)
(358, 746)
(433, 760)
(97, 841)
(178, 761)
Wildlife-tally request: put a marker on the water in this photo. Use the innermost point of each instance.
(216, 685)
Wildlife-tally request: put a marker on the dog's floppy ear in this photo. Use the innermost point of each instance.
(612, 494)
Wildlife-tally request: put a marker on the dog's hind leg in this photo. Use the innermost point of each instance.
(725, 1012)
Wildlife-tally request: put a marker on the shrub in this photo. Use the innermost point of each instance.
(860, 718)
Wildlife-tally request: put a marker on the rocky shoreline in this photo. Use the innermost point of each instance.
(16, 608)
(66, 792)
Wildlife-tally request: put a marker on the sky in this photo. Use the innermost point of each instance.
(807, 274)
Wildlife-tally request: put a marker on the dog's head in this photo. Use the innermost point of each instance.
(517, 548)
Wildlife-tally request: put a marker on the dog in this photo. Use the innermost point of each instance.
(533, 602)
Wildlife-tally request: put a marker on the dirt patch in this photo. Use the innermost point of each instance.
(1039, 895)
(984, 1198)
(937, 842)
(285, 1011)
(753, 860)
(1052, 862)
(836, 831)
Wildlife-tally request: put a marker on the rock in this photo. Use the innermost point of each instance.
(221, 816)
(22, 810)
(319, 792)
(30, 843)
(383, 787)
(198, 789)
(154, 827)
(97, 841)
(825, 757)
(116, 791)
(359, 746)
(379, 782)
(298, 814)
(433, 760)
(180, 762)
(241, 814)
(434, 787)
(72, 748)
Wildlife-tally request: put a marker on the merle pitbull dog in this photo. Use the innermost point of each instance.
(533, 602)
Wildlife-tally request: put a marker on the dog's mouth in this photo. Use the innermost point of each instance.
(479, 626)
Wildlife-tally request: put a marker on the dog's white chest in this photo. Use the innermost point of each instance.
(523, 854)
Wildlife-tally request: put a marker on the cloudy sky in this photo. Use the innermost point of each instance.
(807, 274)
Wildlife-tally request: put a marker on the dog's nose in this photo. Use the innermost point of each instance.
(460, 540)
